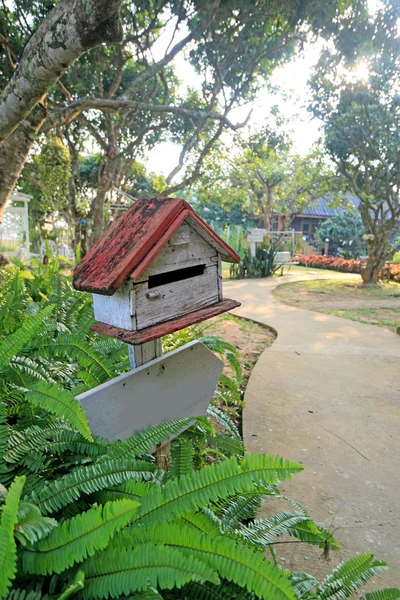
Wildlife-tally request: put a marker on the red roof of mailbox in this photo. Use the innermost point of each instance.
(134, 241)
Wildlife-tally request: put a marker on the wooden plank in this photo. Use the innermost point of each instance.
(178, 254)
(179, 384)
(143, 353)
(161, 329)
(116, 310)
(176, 299)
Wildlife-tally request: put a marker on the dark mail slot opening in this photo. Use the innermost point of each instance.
(178, 275)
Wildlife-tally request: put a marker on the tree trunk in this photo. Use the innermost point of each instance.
(15, 150)
(105, 185)
(71, 29)
(376, 260)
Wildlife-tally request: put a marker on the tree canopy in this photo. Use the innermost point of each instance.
(126, 97)
(361, 115)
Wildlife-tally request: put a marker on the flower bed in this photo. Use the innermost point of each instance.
(339, 264)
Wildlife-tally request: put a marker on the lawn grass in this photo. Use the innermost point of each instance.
(375, 304)
(371, 316)
(351, 286)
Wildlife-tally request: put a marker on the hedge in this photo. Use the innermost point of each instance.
(339, 264)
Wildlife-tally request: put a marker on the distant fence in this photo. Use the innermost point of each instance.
(14, 230)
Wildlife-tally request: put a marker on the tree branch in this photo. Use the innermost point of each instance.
(70, 30)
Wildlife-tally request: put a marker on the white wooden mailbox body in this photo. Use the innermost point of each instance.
(184, 277)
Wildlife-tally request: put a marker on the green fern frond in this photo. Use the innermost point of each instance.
(216, 344)
(385, 594)
(120, 572)
(143, 441)
(200, 488)
(16, 341)
(60, 402)
(242, 508)
(229, 385)
(204, 522)
(349, 576)
(303, 583)
(87, 480)
(236, 367)
(208, 591)
(262, 532)
(181, 457)
(31, 526)
(77, 584)
(73, 347)
(135, 490)
(226, 422)
(8, 548)
(308, 531)
(78, 538)
(242, 565)
(227, 445)
(20, 594)
(57, 438)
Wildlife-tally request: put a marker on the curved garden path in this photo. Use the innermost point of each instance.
(327, 394)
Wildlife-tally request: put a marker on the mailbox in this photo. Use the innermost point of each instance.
(156, 270)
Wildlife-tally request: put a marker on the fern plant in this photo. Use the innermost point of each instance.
(85, 517)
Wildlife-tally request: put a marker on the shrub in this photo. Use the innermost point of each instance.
(340, 264)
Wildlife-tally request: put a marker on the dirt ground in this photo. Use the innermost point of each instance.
(249, 338)
(376, 305)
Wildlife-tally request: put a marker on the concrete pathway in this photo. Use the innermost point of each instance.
(327, 394)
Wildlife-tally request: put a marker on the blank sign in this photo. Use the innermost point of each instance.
(179, 384)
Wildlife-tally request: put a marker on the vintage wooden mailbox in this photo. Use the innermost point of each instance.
(156, 270)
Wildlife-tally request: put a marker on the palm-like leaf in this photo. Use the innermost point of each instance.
(231, 561)
(78, 538)
(8, 548)
(87, 480)
(120, 572)
(61, 403)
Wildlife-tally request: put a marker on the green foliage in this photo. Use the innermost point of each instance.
(99, 519)
(54, 172)
(261, 265)
(345, 232)
(8, 548)
(79, 537)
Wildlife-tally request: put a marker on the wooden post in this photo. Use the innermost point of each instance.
(140, 354)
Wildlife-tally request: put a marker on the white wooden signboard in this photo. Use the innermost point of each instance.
(179, 384)
(255, 238)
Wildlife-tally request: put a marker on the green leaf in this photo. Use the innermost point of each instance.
(77, 584)
(350, 575)
(240, 564)
(60, 402)
(200, 488)
(143, 441)
(15, 342)
(78, 538)
(181, 457)
(87, 480)
(385, 594)
(31, 526)
(8, 548)
(122, 571)
(308, 531)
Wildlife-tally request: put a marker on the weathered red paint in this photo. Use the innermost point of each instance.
(161, 329)
(133, 242)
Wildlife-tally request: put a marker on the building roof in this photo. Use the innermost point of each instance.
(322, 209)
(134, 241)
